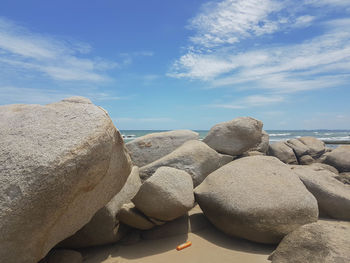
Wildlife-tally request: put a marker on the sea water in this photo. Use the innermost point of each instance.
(330, 137)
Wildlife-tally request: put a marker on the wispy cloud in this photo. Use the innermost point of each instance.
(250, 101)
(56, 58)
(221, 52)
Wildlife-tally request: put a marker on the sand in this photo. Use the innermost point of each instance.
(208, 245)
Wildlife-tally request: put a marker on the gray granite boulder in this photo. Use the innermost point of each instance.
(194, 157)
(151, 147)
(333, 196)
(236, 136)
(60, 163)
(103, 228)
(299, 148)
(283, 152)
(323, 166)
(321, 242)
(131, 216)
(344, 178)
(339, 158)
(315, 146)
(167, 195)
(258, 198)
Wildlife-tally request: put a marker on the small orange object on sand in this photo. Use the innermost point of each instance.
(184, 245)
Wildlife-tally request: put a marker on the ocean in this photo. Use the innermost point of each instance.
(331, 137)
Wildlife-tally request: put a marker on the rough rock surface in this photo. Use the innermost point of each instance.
(339, 158)
(151, 147)
(258, 198)
(306, 159)
(321, 242)
(236, 136)
(168, 194)
(323, 166)
(103, 228)
(315, 146)
(194, 157)
(263, 146)
(63, 256)
(344, 178)
(192, 222)
(60, 163)
(283, 152)
(299, 148)
(333, 197)
(131, 216)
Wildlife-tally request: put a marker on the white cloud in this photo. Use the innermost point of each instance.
(228, 21)
(58, 59)
(250, 101)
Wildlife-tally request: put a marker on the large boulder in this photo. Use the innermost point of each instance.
(167, 195)
(131, 216)
(258, 198)
(60, 163)
(321, 242)
(236, 136)
(333, 197)
(263, 146)
(300, 149)
(339, 158)
(283, 152)
(194, 157)
(103, 228)
(151, 147)
(315, 146)
(191, 222)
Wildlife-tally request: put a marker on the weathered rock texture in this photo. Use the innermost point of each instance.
(236, 136)
(333, 196)
(63, 256)
(339, 158)
(321, 242)
(304, 150)
(151, 147)
(168, 194)
(258, 198)
(103, 228)
(194, 157)
(131, 216)
(283, 152)
(60, 163)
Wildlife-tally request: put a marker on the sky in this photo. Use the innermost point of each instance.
(184, 64)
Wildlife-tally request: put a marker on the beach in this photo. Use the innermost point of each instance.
(208, 245)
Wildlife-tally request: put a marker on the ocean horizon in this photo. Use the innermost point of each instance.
(331, 137)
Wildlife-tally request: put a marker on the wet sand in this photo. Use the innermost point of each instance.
(208, 246)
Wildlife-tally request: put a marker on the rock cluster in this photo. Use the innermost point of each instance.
(67, 181)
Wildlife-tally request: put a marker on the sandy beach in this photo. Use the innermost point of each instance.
(208, 245)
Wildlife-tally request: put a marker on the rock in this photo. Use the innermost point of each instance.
(131, 216)
(339, 158)
(251, 153)
(103, 228)
(60, 163)
(63, 256)
(236, 136)
(321, 242)
(192, 222)
(306, 159)
(194, 157)
(257, 198)
(344, 178)
(151, 147)
(323, 166)
(263, 146)
(283, 152)
(315, 146)
(167, 195)
(299, 148)
(333, 197)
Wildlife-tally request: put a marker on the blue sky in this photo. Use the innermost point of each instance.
(183, 64)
